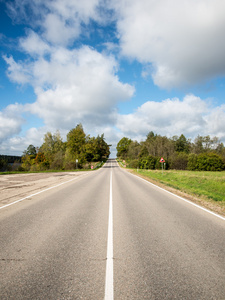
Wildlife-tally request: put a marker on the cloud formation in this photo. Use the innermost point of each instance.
(182, 40)
(10, 121)
(178, 43)
(60, 22)
(73, 86)
(190, 116)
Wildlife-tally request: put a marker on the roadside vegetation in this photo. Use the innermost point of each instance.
(196, 168)
(80, 151)
(179, 153)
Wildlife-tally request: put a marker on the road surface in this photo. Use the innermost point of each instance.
(110, 235)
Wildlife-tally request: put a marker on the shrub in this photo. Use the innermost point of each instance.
(179, 161)
(134, 163)
(192, 161)
(206, 162)
(148, 162)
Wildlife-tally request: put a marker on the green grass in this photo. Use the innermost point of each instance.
(210, 185)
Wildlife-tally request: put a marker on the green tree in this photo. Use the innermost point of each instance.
(76, 140)
(134, 150)
(28, 158)
(181, 144)
(123, 147)
(157, 145)
(3, 164)
(52, 144)
(96, 149)
(31, 150)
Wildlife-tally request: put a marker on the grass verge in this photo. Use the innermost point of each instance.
(204, 188)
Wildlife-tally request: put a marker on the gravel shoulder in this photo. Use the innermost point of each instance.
(16, 186)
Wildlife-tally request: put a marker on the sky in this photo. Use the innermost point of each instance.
(118, 67)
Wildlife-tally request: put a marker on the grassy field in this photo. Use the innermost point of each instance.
(206, 185)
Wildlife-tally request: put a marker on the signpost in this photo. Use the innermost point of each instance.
(162, 161)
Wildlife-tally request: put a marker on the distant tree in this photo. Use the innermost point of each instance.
(134, 150)
(58, 160)
(96, 149)
(103, 148)
(181, 144)
(27, 162)
(122, 147)
(52, 144)
(76, 140)
(3, 164)
(197, 146)
(31, 150)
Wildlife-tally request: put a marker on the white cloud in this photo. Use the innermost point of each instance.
(73, 86)
(34, 45)
(190, 116)
(15, 145)
(16, 71)
(179, 42)
(183, 40)
(216, 122)
(10, 121)
(61, 22)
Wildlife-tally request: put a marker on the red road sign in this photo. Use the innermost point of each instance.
(162, 160)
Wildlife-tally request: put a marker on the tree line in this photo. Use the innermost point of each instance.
(79, 151)
(203, 154)
(8, 162)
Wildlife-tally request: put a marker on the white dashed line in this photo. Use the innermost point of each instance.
(109, 260)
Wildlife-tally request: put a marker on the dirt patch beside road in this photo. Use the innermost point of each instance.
(16, 186)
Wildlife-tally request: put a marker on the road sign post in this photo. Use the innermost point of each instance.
(162, 161)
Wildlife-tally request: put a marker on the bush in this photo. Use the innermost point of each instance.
(158, 164)
(21, 169)
(134, 164)
(192, 161)
(3, 165)
(206, 162)
(57, 163)
(179, 161)
(148, 162)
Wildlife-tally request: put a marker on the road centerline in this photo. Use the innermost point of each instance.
(109, 259)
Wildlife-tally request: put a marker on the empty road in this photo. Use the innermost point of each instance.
(110, 235)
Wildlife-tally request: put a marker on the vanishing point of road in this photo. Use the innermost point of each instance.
(110, 235)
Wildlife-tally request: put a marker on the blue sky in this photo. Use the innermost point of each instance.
(119, 67)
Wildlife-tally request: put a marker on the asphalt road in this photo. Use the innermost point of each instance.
(60, 245)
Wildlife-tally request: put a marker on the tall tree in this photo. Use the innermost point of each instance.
(76, 140)
(122, 147)
(52, 144)
(182, 144)
(31, 150)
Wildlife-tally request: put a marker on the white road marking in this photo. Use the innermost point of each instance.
(41, 191)
(185, 200)
(109, 260)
